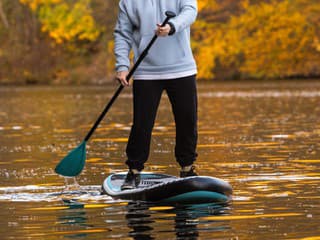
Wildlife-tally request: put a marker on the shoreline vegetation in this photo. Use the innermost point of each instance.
(114, 83)
(66, 42)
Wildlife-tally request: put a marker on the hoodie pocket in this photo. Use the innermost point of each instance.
(165, 51)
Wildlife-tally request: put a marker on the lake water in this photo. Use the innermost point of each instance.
(263, 138)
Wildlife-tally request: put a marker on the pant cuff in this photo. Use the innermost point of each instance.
(134, 165)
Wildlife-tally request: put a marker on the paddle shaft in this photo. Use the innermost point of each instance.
(116, 94)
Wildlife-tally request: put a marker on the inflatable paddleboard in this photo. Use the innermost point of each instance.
(164, 188)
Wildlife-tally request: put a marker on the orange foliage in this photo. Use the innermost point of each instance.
(230, 39)
(268, 40)
(65, 22)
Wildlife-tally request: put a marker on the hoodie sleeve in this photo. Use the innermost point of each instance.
(123, 38)
(187, 15)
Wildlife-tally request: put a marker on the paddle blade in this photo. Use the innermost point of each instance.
(72, 164)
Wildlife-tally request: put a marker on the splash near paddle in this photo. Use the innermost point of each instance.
(164, 188)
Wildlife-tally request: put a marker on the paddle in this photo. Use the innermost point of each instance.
(72, 164)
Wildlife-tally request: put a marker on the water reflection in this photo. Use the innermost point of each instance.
(147, 220)
(74, 218)
(139, 221)
(262, 138)
(144, 221)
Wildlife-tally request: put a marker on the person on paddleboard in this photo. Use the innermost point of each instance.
(169, 66)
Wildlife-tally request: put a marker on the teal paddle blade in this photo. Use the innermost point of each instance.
(72, 164)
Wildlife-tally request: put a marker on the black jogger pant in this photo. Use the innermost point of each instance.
(182, 94)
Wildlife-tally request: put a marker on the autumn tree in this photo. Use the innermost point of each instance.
(262, 42)
(65, 41)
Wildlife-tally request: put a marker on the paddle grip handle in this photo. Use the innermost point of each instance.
(169, 15)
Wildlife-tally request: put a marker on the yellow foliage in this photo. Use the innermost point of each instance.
(267, 40)
(34, 4)
(66, 22)
(262, 39)
(110, 63)
(207, 4)
(316, 44)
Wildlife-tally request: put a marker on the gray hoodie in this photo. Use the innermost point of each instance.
(169, 57)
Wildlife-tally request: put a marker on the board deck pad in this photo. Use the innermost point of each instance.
(164, 188)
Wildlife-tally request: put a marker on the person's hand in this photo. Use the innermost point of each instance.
(163, 31)
(122, 78)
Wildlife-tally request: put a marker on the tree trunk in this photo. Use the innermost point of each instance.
(3, 16)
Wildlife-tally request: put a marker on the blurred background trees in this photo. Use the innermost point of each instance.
(70, 41)
(268, 39)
